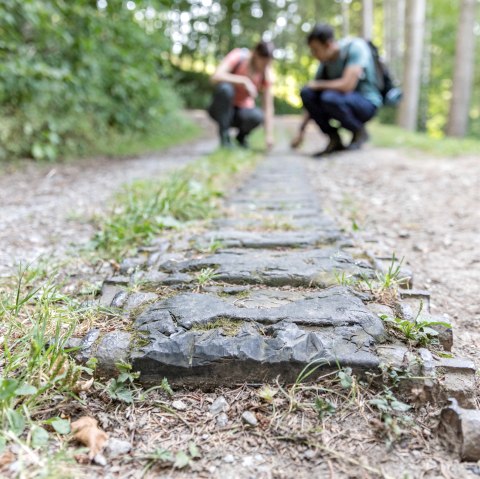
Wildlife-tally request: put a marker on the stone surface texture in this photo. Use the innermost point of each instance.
(264, 293)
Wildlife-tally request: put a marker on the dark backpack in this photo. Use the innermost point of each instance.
(391, 94)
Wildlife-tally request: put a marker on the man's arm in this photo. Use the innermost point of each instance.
(298, 139)
(347, 83)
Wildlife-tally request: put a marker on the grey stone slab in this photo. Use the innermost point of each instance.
(317, 267)
(209, 359)
(201, 338)
(335, 307)
(137, 300)
(111, 349)
(272, 239)
(274, 222)
(109, 292)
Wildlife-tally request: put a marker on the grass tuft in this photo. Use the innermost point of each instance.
(145, 208)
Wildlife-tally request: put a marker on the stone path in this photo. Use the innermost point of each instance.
(267, 303)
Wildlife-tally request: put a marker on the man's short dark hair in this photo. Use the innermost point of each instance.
(264, 49)
(321, 32)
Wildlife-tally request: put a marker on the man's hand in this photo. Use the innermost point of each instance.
(250, 87)
(297, 140)
(314, 85)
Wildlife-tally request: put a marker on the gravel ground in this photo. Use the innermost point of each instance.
(45, 208)
(424, 209)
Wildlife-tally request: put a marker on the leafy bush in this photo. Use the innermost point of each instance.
(71, 73)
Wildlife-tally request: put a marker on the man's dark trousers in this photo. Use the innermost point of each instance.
(226, 114)
(351, 109)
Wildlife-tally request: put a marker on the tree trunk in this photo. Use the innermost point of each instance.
(398, 38)
(393, 34)
(415, 26)
(367, 19)
(387, 30)
(345, 18)
(426, 71)
(463, 74)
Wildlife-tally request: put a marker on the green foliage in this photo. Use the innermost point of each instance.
(324, 407)
(394, 137)
(121, 387)
(165, 458)
(72, 73)
(205, 276)
(419, 331)
(393, 417)
(36, 321)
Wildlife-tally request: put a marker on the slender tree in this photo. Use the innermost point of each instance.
(415, 27)
(345, 17)
(367, 19)
(463, 74)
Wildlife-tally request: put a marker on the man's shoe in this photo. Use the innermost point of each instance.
(335, 144)
(359, 138)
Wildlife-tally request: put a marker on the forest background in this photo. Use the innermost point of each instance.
(77, 76)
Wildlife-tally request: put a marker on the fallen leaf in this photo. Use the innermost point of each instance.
(6, 458)
(83, 385)
(86, 431)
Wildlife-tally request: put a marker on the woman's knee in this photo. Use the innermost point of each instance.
(225, 90)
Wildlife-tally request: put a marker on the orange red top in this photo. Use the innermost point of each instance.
(238, 62)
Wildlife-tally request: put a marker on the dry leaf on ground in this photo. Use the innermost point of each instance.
(86, 431)
(81, 386)
(6, 458)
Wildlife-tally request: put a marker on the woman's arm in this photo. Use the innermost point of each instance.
(223, 74)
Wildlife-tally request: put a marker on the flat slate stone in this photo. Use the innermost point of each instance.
(272, 239)
(201, 338)
(277, 221)
(316, 267)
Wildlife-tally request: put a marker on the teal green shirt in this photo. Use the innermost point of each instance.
(354, 51)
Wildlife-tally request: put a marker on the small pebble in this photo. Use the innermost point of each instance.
(219, 405)
(100, 460)
(179, 405)
(309, 454)
(249, 418)
(248, 461)
(117, 447)
(222, 420)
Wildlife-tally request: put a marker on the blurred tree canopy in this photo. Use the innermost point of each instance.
(70, 71)
(74, 71)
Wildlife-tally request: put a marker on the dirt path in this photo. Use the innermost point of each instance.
(424, 209)
(45, 208)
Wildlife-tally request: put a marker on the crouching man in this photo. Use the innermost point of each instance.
(345, 89)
